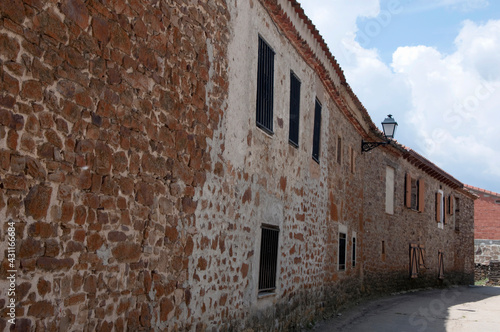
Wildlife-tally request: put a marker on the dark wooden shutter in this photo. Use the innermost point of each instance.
(451, 205)
(421, 256)
(408, 190)
(439, 201)
(421, 195)
(440, 265)
(413, 261)
(317, 131)
(293, 134)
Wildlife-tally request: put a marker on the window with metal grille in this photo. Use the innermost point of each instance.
(265, 87)
(293, 135)
(317, 131)
(268, 259)
(342, 245)
(353, 252)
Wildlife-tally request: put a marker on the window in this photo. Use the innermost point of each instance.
(317, 131)
(342, 251)
(265, 87)
(268, 259)
(353, 251)
(414, 193)
(293, 135)
(440, 204)
(339, 150)
(389, 190)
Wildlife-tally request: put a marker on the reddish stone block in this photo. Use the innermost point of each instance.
(14, 10)
(54, 264)
(12, 139)
(94, 242)
(74, 299)
(29, 248)
(42, 229)
(32, 90)
(43, 286)
(166, 306)
(67, 209)
(41, 309)
(9, 47)
(76, 11)
(14, 182)
(79, 235)
(37, 201)
(117, 236)
(120, 39)
(144, 193)
(127, 252)
(35, 169)
(50, 25)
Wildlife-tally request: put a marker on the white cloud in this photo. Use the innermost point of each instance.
(447, 105)
(456, 99)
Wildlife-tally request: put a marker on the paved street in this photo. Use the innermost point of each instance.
(464, 308)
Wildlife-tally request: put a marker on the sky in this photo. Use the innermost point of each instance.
(434, 65)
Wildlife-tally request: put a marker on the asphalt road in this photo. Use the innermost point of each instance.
(455, 309)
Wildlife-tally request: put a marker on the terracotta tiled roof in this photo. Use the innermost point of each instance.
(484, 191)
(365, 126)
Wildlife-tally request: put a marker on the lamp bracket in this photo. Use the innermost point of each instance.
(368, 146)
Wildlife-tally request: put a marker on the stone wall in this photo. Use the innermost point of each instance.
(388, 236)
(138, 181)
(486, 251)
(106, 111)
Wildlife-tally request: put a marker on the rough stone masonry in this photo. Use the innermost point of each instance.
(105, 112)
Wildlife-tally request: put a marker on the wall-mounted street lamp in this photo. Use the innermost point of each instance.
(389, 126)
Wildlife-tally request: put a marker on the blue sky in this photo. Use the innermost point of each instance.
(434, 65)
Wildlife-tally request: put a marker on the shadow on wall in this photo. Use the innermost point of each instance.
(449, 309)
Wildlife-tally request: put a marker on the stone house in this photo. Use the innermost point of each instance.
(486, 226)
(197, 165)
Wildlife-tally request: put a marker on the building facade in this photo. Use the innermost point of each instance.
(173, 165)
(486, 226)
